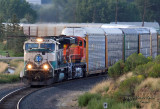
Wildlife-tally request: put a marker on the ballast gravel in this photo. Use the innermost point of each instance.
(60, 96)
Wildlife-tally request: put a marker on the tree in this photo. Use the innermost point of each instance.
(149, 10)
(2, 28)
(29, 18)
(116, 11)
(12, 35)
(18, 7)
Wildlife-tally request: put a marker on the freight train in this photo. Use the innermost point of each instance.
(83, 51)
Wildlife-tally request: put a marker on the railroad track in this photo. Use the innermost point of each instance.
(13, 99)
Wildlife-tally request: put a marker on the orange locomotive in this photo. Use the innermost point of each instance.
(75, 53)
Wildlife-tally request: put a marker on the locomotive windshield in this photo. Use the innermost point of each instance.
(31, 46)
(50, 46)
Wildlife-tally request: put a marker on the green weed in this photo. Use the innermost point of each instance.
(83, 100)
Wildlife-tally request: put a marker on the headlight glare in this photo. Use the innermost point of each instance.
(29, 66)
(39, 40)
(45, 67)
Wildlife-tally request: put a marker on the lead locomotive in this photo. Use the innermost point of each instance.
(52, 59)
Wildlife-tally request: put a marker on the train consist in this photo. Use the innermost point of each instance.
(83, 51)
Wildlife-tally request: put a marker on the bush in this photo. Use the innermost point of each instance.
(144, 69)
(116, 70)
(157, 59)
(83, 100)
(127, 88)
(155, 73)
(134, 60)
(150, 69)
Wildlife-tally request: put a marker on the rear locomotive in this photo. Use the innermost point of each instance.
(53, 59)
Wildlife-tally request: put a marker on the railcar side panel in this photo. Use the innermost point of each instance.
(130, 42)
(144, 44)
(96, 52)
(114, 45)
(153, 40)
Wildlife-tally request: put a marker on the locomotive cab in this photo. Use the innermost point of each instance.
(39, 61)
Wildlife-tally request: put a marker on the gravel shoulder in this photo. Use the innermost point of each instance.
(7, 88)
(60, 96)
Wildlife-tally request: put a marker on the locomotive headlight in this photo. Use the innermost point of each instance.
(29, 66)
(39, 40)
(45, 67)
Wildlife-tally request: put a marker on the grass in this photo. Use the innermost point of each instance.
(15, 62)
(19, 68)
(18, 64)
(94, 101)
(3, 67)
(124, 77)
(11, 53)
(9, 78)
(86, 98)
(3, 53)
(150, 83)
(101, 87)
(125, 105)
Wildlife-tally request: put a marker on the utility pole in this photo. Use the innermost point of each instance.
(116, 12)
(144, 12)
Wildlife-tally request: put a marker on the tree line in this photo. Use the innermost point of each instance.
(101, 11)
